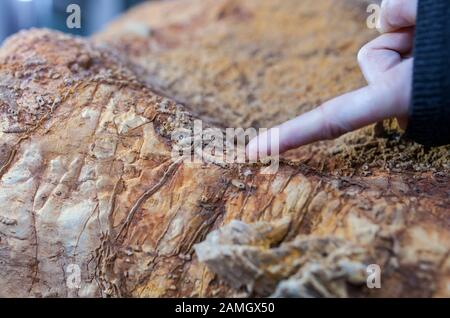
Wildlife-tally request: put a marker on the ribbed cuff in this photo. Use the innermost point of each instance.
(429, 120)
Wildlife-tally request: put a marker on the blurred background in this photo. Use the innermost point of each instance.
(22, 14)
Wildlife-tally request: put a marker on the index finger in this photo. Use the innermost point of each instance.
(330, 120)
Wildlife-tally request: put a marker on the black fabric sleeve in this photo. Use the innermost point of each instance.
(429, 118)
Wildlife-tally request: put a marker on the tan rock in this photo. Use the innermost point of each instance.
(88, 181)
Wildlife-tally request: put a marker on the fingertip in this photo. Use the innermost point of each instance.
(266, 144)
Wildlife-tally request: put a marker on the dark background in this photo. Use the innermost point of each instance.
(23, 14)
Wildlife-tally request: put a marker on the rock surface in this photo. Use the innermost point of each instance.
(87, 176)
(245, 63)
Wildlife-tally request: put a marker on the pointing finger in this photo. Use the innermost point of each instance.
(336, 117)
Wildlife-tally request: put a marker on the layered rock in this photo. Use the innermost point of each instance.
(88, 177)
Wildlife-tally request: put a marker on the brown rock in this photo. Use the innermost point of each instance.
(91, 183)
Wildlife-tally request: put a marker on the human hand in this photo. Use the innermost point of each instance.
(397, 14)
(386, 64)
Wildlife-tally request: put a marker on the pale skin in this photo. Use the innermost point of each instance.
(386, 64)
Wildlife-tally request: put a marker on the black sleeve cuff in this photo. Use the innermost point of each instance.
(429, 120)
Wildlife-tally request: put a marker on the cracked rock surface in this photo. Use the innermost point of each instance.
(87, 176)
